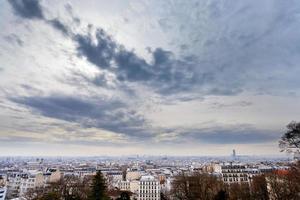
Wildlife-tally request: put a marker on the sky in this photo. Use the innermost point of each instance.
(147, 77)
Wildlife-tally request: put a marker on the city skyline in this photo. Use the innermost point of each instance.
(147, 77)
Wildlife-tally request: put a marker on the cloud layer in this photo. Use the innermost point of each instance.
(83, 72)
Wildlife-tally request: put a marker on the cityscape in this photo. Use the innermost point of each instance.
(149, 100)
(143, 177)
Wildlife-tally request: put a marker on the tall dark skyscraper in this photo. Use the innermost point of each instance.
(233, 154)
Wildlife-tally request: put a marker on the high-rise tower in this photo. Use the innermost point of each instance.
(233, 154)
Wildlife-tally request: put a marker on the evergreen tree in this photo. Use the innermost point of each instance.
(98, 188)
(124, 196)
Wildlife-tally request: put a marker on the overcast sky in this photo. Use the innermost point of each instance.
(91, 77)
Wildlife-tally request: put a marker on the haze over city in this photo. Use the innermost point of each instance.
(87, 78)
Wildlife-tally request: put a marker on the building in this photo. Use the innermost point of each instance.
(3, 188)
(13, 184)
(31, 181)
(2, 192)
(149, 188)
(52, 176)
(124, 185)
(232, 172)
(133, 175)
(19, 183)
(252, 171)
(113, 177)
(233, 154)
(132, 186)
(2, 180)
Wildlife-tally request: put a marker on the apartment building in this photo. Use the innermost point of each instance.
(19, 183)
(13, 184)
(129, 185)
(149, 188)
(124, 185)
(232, 172)
(31, 181)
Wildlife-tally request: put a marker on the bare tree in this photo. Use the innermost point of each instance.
(290, 141)
(198, 186)
(239, 191)
(67, 188)
(259, 189)
(284, 184)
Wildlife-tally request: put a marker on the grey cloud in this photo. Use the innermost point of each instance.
(58, 25)
(238, 57)
(25, 140)
(101, 53)
(27, 8)
(238, 46)
(109, 114)
(68, 108)
(165, 74)
(100, 80)
(237, 134)
(14, 39)
(116, 116)
(32, 9)
(18, 139)
(235, 104)
(131, 67)
(240, 42)
(69, 9)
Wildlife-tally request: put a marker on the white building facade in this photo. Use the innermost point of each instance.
(149, 188)
(232, 172)
(30, 182)
(18, 184)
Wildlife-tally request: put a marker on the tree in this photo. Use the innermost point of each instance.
(67, 188)
(239, 191)
(50, 196)
(259, 189)
(196, 186)
(284, 184)
(124, 196)
(290, 141)
(98, 188)
(222, 195)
